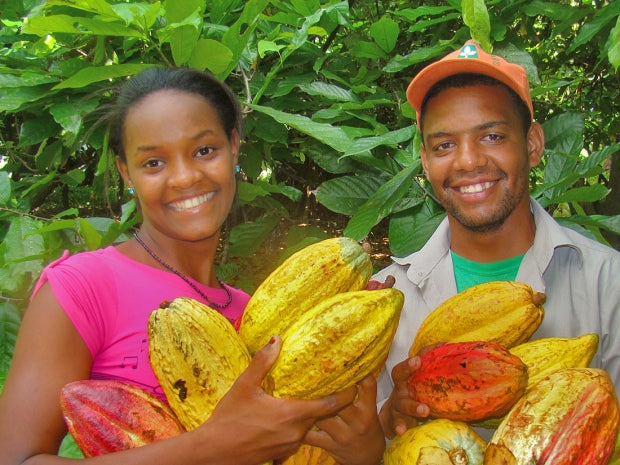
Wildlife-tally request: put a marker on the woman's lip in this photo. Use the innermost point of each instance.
(193, 202)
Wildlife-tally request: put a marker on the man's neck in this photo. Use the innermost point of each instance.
(514, 237)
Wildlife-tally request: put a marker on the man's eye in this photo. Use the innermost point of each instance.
(493, 137)
(153, 163)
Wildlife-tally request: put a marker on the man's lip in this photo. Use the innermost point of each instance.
(191, 202)
(474, 187)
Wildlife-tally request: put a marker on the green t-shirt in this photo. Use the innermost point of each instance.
(468, 273)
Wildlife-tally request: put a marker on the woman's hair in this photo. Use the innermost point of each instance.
(472, 79)
(189, 80)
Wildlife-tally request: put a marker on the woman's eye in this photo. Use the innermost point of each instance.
(205, 151)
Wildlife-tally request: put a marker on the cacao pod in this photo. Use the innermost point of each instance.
(506, 312)
(569, 417)
(436, 442)
(544, 356)
(468, 381)
(314, 273)
(309, 455)
(196, 355)
(105, 416)
(336, 344)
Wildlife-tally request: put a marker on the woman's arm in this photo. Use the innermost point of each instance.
(247, 427)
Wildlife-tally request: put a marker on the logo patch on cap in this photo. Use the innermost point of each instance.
(468, 51)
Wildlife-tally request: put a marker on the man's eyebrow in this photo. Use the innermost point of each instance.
(487, 125)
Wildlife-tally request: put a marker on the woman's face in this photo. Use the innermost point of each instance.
(180, 163)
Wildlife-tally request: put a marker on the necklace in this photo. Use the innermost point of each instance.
(186, 279)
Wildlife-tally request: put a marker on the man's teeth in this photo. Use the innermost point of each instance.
(191, 203)
(473, 188)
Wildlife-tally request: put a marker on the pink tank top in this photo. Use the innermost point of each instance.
(109, 297)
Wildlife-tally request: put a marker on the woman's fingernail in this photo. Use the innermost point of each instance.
(272, 340)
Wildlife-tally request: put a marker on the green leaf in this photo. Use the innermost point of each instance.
(346, 194)
(379, 205)
(10, 320)
(212, 55)
(245, 238)
(587, 32)
(385, 33)
(329, 91)
(43, 25)
(391, 138)
(476, 17)
(69, 114)
(69, 448)
(410, 230)
(13, 99)
(333, 136)
(5, 187)
(37, 129)
(614, 47)
(91, 236)
(609, 223)
(87, 76)
(140, 15)
(592, 193)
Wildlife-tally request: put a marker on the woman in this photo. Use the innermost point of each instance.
(176, 134)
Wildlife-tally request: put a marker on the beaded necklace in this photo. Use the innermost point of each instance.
(186, 279)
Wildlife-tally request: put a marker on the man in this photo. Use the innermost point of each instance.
(479, 142)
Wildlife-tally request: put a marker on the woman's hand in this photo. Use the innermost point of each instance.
(354, 436)
(253, 427)
(400, 412)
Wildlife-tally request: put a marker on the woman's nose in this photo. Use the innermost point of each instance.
(183, 174)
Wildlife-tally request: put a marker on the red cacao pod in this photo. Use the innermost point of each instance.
(468, 381)
(569, 417)
(106, 416)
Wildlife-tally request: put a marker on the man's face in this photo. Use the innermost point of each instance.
(476, 155)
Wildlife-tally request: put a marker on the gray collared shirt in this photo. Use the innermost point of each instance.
(580, 277)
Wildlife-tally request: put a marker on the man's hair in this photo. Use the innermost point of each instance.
(472, 79)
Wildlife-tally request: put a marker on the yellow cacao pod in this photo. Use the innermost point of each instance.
(309, 455)
(314, 273)
(569, 417)
(505, 312)
(547, 355)
(336, 343)
(437, 442)
(196, 355)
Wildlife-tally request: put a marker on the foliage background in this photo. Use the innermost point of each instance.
(330, 144)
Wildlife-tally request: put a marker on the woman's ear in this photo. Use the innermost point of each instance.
(235, 144)
(121, 166)
(535, 144)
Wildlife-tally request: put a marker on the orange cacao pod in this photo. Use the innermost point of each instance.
(569, 417)
(106, 416)
(468, 381)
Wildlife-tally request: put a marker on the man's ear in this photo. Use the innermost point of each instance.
(535, 144)
(424, 159)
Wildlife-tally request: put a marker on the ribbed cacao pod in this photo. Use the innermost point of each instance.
(310, 275)
(544, 356)
(569, 417)
(505, 312)
(196, 355)
(468, 381)
(436, 442)
(105, 416)
(336, 344)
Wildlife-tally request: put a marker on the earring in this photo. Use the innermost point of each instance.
(131, 191)
(237, 169)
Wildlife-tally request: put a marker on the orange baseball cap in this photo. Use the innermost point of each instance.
(470, 58)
